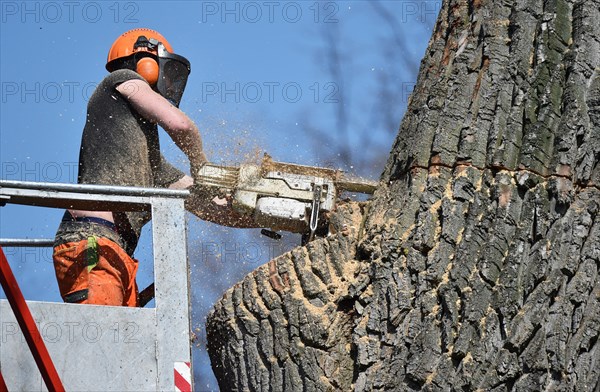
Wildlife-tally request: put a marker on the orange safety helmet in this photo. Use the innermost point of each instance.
(148, 53)
(125, 46)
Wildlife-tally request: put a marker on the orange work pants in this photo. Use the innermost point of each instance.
(95, 271)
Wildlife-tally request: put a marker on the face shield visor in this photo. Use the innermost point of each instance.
(172, 75)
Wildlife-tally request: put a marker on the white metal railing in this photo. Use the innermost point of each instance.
(107, 348)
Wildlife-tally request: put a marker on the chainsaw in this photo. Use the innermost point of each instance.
(280, 196)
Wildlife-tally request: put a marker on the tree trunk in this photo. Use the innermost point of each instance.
(476, 264)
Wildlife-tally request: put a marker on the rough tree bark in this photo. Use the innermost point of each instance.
(476, 264)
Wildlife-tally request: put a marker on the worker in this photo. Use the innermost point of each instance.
(93, 250)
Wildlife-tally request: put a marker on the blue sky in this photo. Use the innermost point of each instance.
(262, 81)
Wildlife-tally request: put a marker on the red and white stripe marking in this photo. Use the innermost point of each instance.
(183, 377)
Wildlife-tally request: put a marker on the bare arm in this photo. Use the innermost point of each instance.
(184, 133)
(177, 124)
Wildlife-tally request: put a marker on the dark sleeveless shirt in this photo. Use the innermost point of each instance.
(119, 147)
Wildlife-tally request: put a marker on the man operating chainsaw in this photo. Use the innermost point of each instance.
(93, 250)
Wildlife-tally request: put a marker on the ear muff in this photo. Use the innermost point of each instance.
(147, 67)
